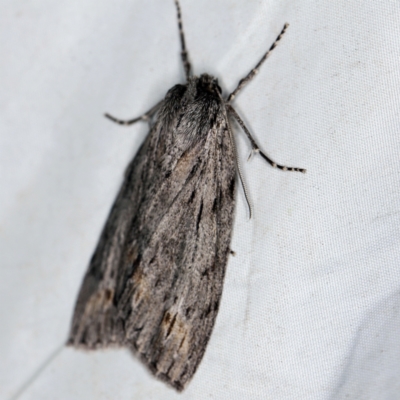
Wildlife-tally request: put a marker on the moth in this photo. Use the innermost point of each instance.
(155, 280)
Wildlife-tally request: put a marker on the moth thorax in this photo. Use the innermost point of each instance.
(208, 83)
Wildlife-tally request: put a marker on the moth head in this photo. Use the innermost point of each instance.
(208, 83)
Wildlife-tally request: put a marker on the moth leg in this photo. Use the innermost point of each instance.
(238, 168)
(254, 71)
(184, 53)
(254, 146)
(145, 117)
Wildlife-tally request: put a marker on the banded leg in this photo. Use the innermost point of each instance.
(184, 53)
(254, 146)
(254, 71)
(145, 117)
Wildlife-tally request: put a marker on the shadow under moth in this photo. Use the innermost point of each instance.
(155, 280)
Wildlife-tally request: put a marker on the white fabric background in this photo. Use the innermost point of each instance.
(311, 301)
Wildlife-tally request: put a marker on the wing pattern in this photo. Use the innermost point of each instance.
(155, 280)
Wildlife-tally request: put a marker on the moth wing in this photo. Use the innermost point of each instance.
(170, 304)
(95, 310)
(93, 322)
(155, 280)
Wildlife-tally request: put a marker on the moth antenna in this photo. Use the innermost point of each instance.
(184, 53)
(255, 147)
(239, 169)
(244, 81)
